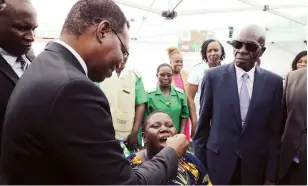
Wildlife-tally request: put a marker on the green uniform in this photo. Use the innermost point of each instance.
(141, 96)
(175, 105)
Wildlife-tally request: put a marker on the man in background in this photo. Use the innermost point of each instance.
(127, 98)
(58, 127)
(18, 22)
(293, 162)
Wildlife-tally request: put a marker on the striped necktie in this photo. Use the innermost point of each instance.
(23, 62)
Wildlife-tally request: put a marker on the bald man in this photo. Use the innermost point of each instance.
(239, 128)
(18, 21)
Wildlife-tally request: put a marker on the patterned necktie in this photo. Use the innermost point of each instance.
(23, 62)
(244, 98)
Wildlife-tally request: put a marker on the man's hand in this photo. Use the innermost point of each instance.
(179, 143)
(268, 183)
(132, 141)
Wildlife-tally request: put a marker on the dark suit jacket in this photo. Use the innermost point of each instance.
(8, 80)
(63, 133)
(294, 138)
(220, 138)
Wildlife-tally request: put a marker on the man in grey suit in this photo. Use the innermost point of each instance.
(58, 127)
(293, 162)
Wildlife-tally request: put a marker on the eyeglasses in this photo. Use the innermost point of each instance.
(124, 50)
(250, 47)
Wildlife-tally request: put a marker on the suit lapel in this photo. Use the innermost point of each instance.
(257, 90)
(8, 70)
(230, 78)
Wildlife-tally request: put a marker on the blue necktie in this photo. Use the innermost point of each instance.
(23, 62)
(244, 98)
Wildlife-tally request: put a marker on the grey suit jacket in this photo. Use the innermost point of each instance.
(62, 133)
(294, 139)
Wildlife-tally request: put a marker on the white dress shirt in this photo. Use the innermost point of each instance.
(195, 77)
(251, 76)
(11, 60)
(78, 57)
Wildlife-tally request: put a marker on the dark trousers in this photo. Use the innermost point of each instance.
(2, 182)
(236, 178)
(294, 176)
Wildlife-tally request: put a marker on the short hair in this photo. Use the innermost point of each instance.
(145, 123)
(297, 58)
(163, 65)
(204, 49)
(86, 13)
(172, 50)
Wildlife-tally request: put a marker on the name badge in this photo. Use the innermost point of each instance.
(125, 91)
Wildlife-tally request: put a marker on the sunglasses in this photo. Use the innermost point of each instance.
(124, 49)
(250, 47)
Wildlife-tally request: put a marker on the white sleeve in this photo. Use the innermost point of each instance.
(193, 76)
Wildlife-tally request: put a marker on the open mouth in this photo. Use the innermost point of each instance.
(163, 139)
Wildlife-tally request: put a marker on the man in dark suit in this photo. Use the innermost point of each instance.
(58, 127)
(293, 162)
(239, 129)
(18, 21)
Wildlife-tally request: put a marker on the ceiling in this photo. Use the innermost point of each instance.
(286, 20)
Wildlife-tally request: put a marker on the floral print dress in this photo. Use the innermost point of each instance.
(190, 170)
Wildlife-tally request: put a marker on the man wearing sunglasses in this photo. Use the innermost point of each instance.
(239, 130)
(62, 133)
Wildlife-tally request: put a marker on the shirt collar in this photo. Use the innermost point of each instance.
(172, 91)
(78, 57)
(240, 72)
(8, 57)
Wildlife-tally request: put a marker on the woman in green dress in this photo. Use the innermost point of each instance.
(168, 98)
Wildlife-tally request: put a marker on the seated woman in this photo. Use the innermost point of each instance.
(158, 126)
